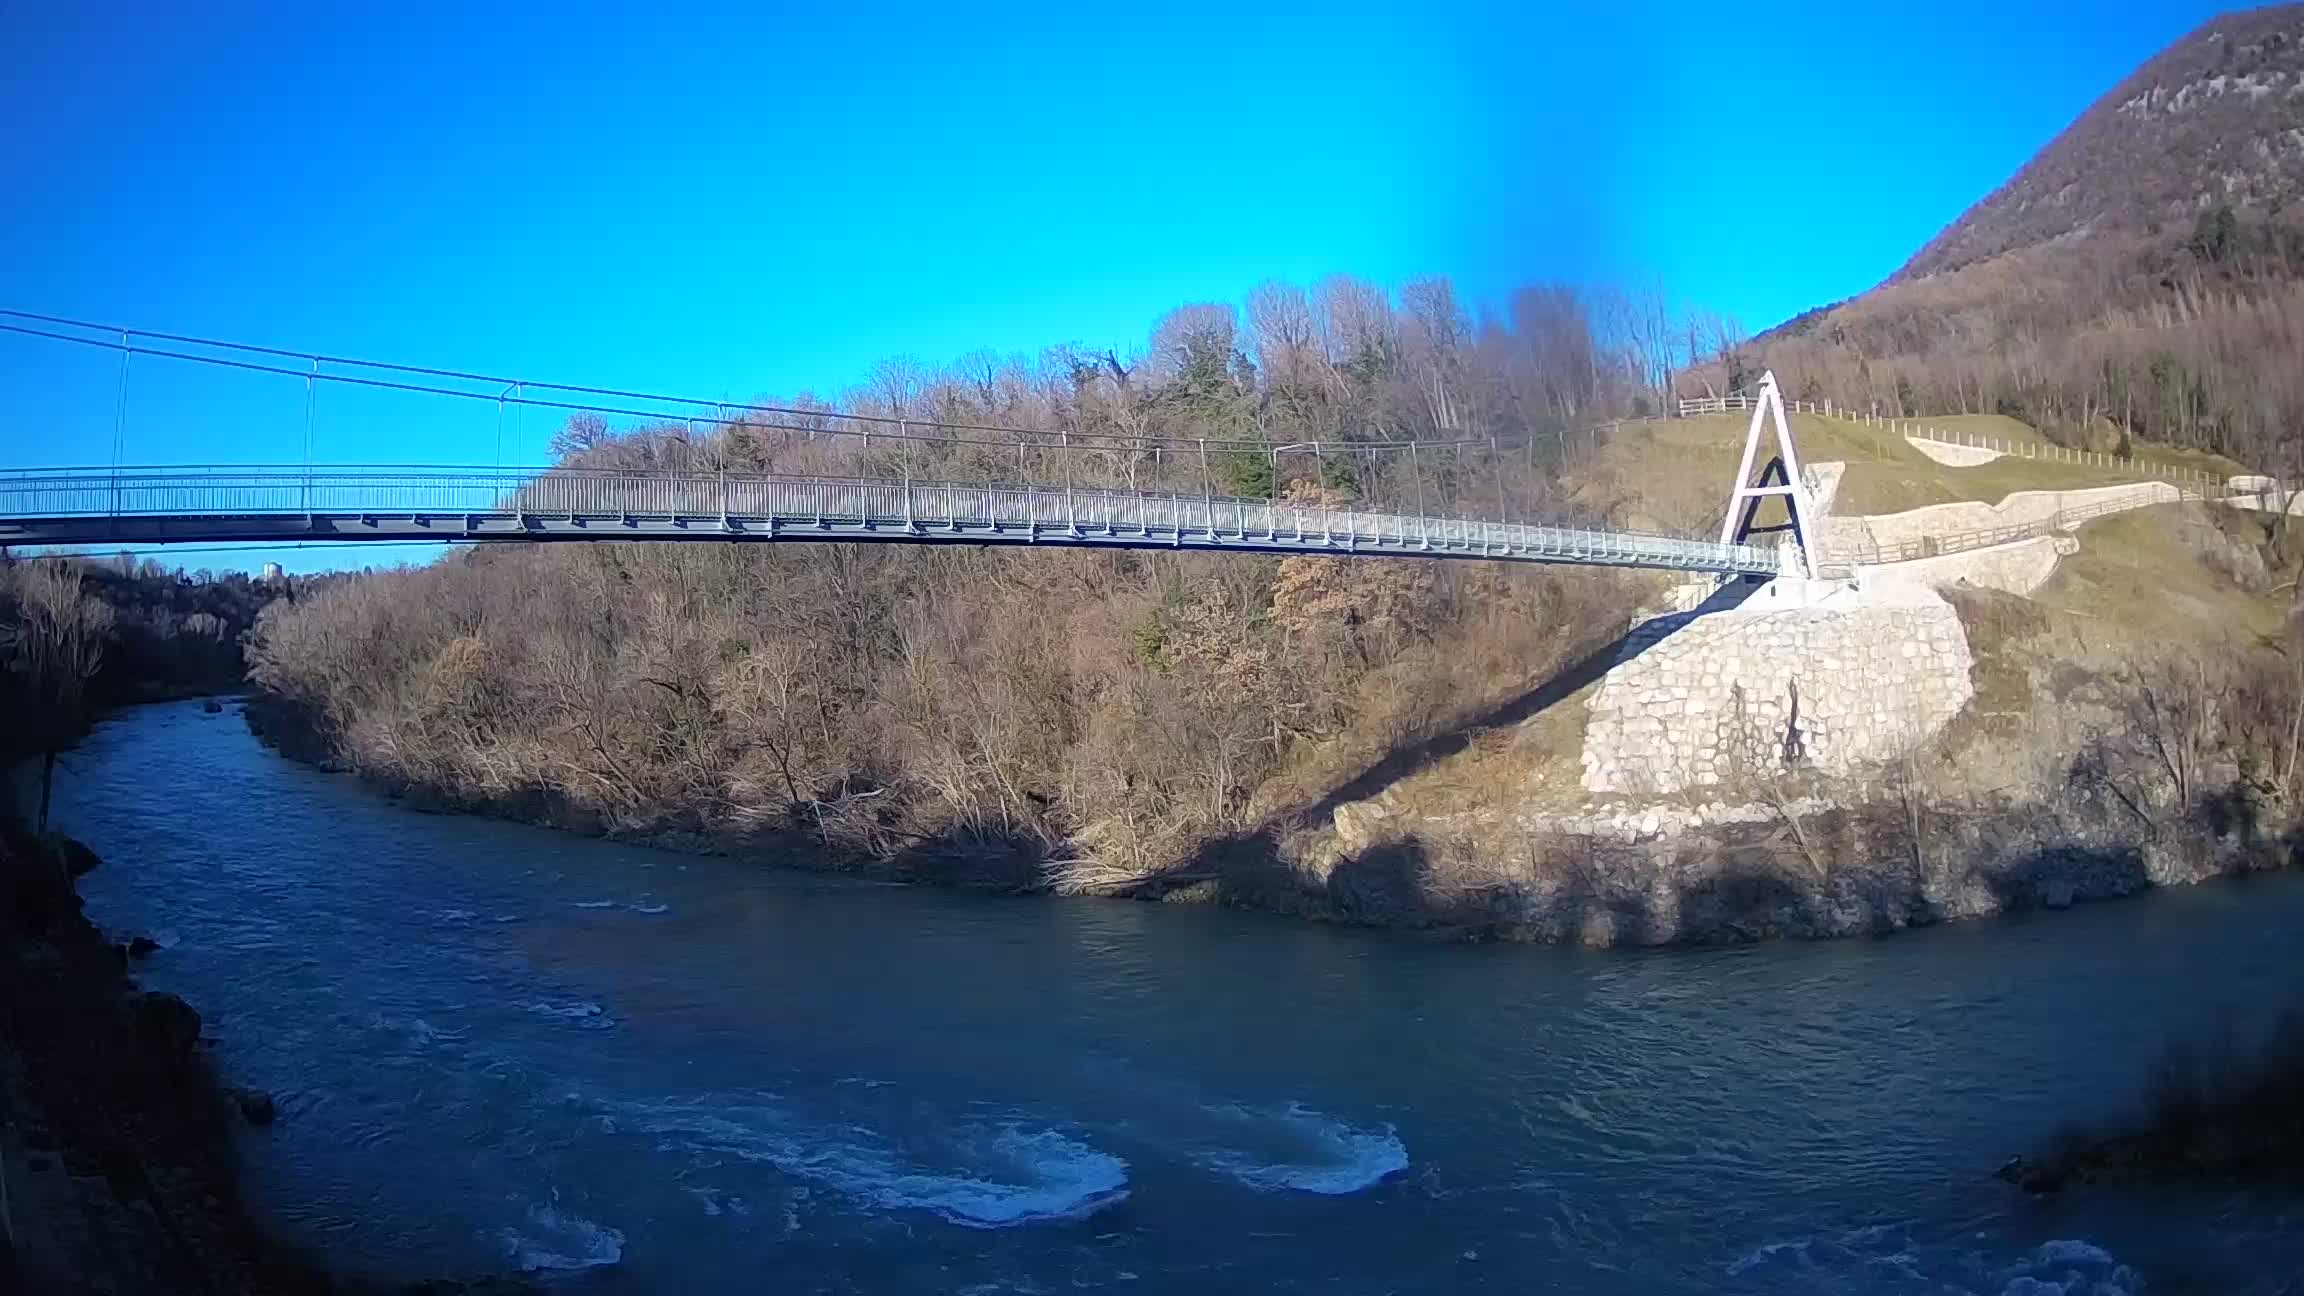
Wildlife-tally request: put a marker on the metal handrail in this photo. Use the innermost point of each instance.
(795, 502)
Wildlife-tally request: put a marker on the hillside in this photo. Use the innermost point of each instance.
(2215, 119)
(1673, 474)
(2142, 277)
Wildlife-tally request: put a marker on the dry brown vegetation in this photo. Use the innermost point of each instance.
(2098, 341)
(1022, 719)
(53, 636)
(979, 715)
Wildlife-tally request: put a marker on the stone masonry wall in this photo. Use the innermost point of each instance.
(2018, 509)
(2020, 567)
(1701, 700)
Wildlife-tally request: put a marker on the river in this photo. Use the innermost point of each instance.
(499, 1047)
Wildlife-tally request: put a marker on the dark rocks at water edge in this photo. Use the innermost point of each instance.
(117, 1164)
(2032, 1177)
(170, 1026)
(78, 860)
(212, 707)
(256, 1106)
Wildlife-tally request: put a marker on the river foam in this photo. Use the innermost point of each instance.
(554, 1240)
(1884, 1258)
(1294, 1148)
(583, 1013)
(976, 1175)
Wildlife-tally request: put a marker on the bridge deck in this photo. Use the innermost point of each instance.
(148, 505)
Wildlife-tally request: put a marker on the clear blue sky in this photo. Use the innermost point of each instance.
(762, 202)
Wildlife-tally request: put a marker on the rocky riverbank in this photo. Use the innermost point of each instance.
(117, 1166)
(1813, 866)
(1834, 861)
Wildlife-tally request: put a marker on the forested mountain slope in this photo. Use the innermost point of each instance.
(2143, 275)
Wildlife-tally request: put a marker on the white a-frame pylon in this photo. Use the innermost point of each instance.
(1781, 476)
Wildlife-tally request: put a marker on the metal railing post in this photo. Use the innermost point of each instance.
(1423, 522)
(1531, 465)
(1207, 489)
(120, 421)
(1024, 479)
(1496, 467)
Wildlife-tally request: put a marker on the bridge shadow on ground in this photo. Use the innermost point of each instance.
(1399, 884)
(1403, 761)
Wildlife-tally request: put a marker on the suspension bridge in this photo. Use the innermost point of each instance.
(803, 474)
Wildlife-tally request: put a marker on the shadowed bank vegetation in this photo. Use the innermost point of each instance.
(2215, 1110)
(166, 632)
(78, 636)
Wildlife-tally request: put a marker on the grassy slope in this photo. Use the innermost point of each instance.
(2145, 572)
(1674, 475)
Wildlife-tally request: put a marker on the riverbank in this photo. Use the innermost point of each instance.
(1802, 868)
(116, 1131)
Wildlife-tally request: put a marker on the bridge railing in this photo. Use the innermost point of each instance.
(873, 505)
(1693, 405)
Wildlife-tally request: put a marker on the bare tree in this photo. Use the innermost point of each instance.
(1433, 337)
(56, 644)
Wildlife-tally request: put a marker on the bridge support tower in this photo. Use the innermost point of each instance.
(1780, 478)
